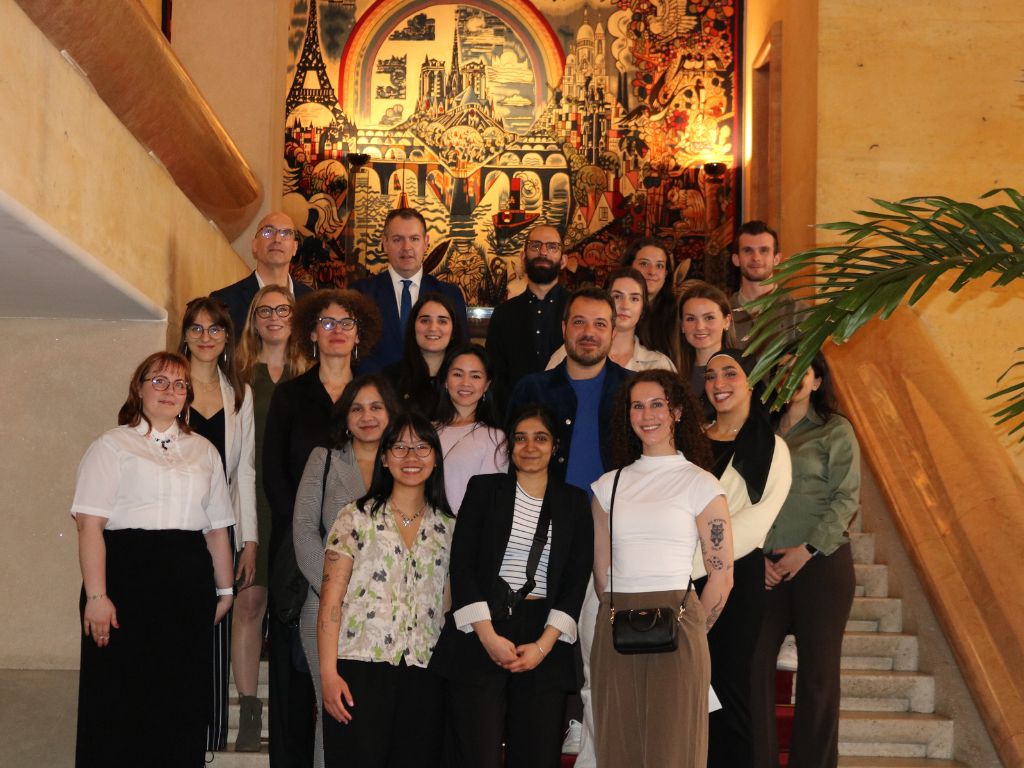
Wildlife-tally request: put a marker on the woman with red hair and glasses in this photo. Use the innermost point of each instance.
(152, 510)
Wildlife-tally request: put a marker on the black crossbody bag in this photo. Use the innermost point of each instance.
(641, 630)
(504, 599)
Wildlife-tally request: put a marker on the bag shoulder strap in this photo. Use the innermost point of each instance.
(540, 538)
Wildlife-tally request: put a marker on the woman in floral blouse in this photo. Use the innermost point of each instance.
(381, 608)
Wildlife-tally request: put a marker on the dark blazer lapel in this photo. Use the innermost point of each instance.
(561, 534)
(384, 293)
(504, 509)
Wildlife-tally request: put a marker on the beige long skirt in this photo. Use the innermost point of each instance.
(651, 710)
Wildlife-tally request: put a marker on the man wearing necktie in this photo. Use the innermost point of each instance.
(397, 288)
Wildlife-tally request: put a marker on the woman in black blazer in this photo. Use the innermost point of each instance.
(506, 650)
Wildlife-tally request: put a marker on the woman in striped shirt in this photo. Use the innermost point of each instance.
(520, 562)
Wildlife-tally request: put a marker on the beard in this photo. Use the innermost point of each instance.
(586, 357)
(541, 271)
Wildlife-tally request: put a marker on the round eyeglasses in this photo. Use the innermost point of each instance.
(196, 331)
(162, 383)
(330, 323)
(401, 450)
(269, 233)
(536, 246)
(265, 311)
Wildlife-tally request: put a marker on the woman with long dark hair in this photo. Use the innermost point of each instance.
(520, 563)
(434, 326)
(753, 466)
(153, 583)
(659, 327)
(808, 572)
(336, 476)
(467, 421)
(384, 583)
(650, 710)
(222, 412)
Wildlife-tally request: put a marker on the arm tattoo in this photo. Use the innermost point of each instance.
(331, 555)
(713, 614)
(717, 533)
(716, 563)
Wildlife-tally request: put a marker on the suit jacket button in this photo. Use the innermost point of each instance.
(561, 459)
(568, 421)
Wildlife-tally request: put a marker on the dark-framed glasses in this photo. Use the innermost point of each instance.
(401, 450)
(536, 246)
(265, 311)
(269, 233)
(162, 383)
(196, 331)
(330, 323)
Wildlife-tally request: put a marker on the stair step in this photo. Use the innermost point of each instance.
(872, 579)
(867, 690)
(887, 612)
(874, 650)
(896, 762)
(891, 734)
(862, 548)
(232, 759)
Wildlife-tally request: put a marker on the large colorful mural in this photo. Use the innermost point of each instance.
(610, 120)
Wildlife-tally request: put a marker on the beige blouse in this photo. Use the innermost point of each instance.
(393, 608)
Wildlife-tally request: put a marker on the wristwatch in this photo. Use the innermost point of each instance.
(811, 549)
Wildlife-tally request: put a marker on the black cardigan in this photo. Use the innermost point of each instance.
(478, 548)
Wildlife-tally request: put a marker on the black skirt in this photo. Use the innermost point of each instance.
(144, 699)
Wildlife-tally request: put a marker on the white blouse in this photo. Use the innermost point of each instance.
(157, 481)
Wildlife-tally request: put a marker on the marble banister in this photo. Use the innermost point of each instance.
(957, 501)
(134, 70)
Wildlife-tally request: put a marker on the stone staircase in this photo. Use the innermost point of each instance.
(232, 759)
(887, 716)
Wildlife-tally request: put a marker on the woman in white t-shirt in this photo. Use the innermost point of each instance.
(651, 710)
(152, 509)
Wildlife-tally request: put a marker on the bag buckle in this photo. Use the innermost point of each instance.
(611, 616)
(682, 610)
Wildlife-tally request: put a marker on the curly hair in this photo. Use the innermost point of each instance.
(688, 436)
(131, 411)
(359, 307)
(219, 315)
(250, 344)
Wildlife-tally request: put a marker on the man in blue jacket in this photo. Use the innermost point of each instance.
(398, 287)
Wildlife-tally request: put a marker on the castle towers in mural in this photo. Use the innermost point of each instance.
(441, 88)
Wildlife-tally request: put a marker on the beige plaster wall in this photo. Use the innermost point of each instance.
(240, 68)
(69, 159)
(63, 384)
(920, 98)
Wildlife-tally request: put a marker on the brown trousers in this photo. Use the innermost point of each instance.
(651, 710)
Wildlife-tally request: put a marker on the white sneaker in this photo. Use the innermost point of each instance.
(573, 737)
(787, 660)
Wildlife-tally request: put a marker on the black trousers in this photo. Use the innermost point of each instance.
(525, 710)
(397, 719)
(814, 607)
(292, 705)
(732, 642)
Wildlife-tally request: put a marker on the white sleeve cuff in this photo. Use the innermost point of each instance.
(468, 615)
(564, 623)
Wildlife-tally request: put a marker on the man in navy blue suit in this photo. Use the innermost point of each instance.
(398, 287)
(273, 247)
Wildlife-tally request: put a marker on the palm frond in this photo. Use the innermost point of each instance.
(888, 257)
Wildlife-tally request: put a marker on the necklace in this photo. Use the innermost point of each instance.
(407, 521)
(206, 384)
(725, 430)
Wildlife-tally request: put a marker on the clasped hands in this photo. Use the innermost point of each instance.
(508, 655)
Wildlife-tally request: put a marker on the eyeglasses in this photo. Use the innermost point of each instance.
(265, 311)
(401, 450)
(330, 323)
(268, 233)
(196, 331)
(161, 383)
(536, 246)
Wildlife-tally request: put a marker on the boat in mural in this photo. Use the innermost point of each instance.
(510, 220)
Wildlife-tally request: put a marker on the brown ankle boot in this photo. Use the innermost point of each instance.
(250, 724)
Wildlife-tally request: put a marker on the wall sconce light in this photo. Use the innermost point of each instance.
(715, 172)
(358, 159)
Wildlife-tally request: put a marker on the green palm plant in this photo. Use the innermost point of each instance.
(892, 255)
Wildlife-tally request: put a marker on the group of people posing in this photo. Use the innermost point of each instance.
(435, 532)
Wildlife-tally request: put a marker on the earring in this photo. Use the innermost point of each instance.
(187, 411)
(225, 354)
(314, 350)
(355, 352)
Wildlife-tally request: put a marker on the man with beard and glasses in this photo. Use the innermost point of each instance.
(757, 255)
(525, 330)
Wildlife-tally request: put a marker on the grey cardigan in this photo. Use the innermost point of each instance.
(344, 485)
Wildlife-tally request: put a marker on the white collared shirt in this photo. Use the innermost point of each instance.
(414, 289)
(156, 481)
(262, 284)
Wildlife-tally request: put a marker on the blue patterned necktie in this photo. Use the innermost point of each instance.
(406, 307)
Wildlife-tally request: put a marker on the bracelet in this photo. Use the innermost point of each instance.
(225, 591)
(97, 597)
(542, 651)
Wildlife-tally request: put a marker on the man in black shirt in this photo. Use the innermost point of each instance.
(526, 329)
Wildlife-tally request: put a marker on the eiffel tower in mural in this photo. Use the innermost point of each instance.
(311, 83)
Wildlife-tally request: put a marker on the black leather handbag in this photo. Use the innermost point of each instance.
(641, 630)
